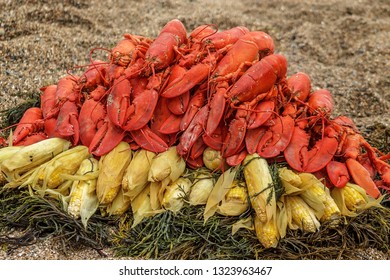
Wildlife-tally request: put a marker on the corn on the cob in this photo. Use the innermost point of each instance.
(175, 194)
(32, 156)
(352, 197)
(201, 189)
(112, 167)
(267, 232)
(213, 159)
(83, 200)
(136, 174)
(168, 166)
(260, 186)
(300, 214)
(235, 201)
(317, 196)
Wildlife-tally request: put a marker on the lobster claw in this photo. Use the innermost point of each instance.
(362, 177)
(217, 108)
(276, 138)
(30, 123)
(196, 102)
(118, 101)
(235, 137)
(338, 173)
(263, 112)
(107, 137)
(141, 109)
(148, 140)
(237, 158)
(91, 117)
(67, 122)
(194, 130)
(303, 159)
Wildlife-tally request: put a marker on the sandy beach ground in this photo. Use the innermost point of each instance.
(343, 46)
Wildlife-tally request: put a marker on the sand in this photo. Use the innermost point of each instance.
(343, 46)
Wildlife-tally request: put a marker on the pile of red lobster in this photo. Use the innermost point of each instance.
(225, 90)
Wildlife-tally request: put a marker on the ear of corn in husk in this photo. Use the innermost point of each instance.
(213, 159)
(235, 201)
(290, 181)
(219, 191)
(83, 201)
(300, 215)
(317, 196)
(260, 186)
(167, 166)
(112, 167)
(141, 206)
(267, 232)
(32, 156)
(175, 194)
(52, 174)
(352, 198)
(201, 188)
(136, 175)
(6, 153)
(119, 205)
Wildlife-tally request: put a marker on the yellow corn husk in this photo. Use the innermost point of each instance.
(213, 159)
(6, 153)
(167, 166)
(317, 196)
(235, 201)
(267, 232)
(119, 205)
(112, 167)
(136, 174)
(219, 191)
(142, 207)
(201, 189)
(83, 201)
(32, 156)
(300, 214)
(260, 186)
(175, 194)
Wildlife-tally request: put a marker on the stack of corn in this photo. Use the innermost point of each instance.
(150, 183)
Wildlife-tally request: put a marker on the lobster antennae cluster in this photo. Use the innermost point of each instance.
(225, 90)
